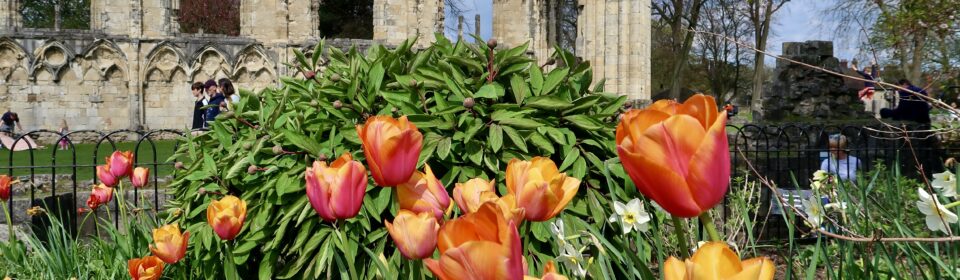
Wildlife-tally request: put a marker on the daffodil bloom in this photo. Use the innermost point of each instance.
(946, 182)
(573, 259)
(820, 175)
(557, 229)
(938, 217)
(631, 216)
(814, 211)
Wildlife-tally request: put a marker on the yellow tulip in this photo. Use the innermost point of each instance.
(540, 189)
(226, 216)
(171, 246)
(414, 234)
(469, 195)
(715, 261)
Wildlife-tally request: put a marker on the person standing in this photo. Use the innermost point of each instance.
(226, 87)
(199, 102)
(64, 130)
(868, 87)
(911, 107)
(8, 120)
(216, 98)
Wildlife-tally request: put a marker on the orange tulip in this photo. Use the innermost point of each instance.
(677, 154)
(424, 193)
(5, 182)
(469, 195)
(715, 260)
(540, 189)
(480, 245)
(336, 192)
(120, 163)
(226, 216)
(414, 234)
(107, 178)
(392, 148)
(147, 268)
(171, 246)
(101, 194)
(549, 273)
(140, 176)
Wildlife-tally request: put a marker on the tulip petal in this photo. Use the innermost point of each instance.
(677, 139)
(659, 183)
(702, 107)
(477, 260)
(345, 200)
(756, 269)
(674, 269)
(709, 169)
(434, 267)
(715, 260)
(318, 191)
(636, 122)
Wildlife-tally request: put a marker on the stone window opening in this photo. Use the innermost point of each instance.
(348, 19)
(209, 17)
(56, 14)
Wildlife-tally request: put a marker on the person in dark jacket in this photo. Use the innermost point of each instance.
(216, 98)
(911, 107)
(201, 100)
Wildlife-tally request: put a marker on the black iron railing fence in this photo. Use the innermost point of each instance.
(42, 168)
(781, 153)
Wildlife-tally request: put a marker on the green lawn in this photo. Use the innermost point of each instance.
(84, 158)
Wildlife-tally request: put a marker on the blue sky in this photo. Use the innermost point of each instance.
(799, 20)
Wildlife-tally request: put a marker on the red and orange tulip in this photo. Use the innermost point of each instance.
(469, 196)
(226, 216)
(715, 260)
(336, 192)
(540, 189)
(415, 234)
(5, 182)
(107, 178)
(146, 268)
(100, 195)
(677, 154)
(392, 148)
(424, 193)
(480, 245)
(549, 273)
(171, 246)
(140, 177)
(120, 163)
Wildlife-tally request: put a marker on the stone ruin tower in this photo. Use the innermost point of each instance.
(798, 93)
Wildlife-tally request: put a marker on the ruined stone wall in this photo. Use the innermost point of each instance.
(133, 68)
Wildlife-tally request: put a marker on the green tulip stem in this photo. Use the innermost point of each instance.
(681, 233)
(707, 221)
(6, 212)
(951, 205)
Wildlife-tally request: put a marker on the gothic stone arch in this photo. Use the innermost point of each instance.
(254, 69)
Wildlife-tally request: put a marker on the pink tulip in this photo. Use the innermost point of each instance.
(336, 192)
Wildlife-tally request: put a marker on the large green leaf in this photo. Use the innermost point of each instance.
(304, 142)
(549, 102)
(585, 122)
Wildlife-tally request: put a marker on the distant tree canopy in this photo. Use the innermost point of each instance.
(213, 16)
(346, 19)
(74, 14)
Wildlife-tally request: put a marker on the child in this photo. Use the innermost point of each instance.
(64, 143)
(868, 87)
(840, 163)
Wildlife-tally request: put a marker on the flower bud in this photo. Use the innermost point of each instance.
(335, 78)
(337, 104)
(314, 103)
(247, 146)
(468, 102)
(202, 191)
(322, 157)
(309, 75)
(178, 165)
(492, 43)
(413, 83)
(277, 149)
(252, 169)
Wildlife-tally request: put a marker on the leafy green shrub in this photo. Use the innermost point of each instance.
(477, 108)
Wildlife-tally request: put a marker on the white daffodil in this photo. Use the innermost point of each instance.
(817, 186)
(558, 230)
(938, 217)
(820, 175)
(946, 182)
(573, 259)
(631, 216)
(836, 206)
(814, 211)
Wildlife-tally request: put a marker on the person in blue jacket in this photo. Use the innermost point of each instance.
(216, 98)
(911, 107)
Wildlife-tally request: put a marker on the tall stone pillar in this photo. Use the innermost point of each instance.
(614, 35)
(397, 20)
(115, 17)
(10, 15)
(264, 20)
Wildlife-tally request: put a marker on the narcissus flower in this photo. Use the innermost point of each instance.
(479, 245)
(140, 177)
(392, 148)
(415, 234)
(336, 192)
(5, 183)
(170, 246)
(468, 195)
(540, 189)
(120, 163)
(946, 182)
(146, 268)
(424, 193)
(938, 216)
(631, 215)
(107, 178)
(677, 154)
(226, 216)
(715, 260)
(814, 211)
